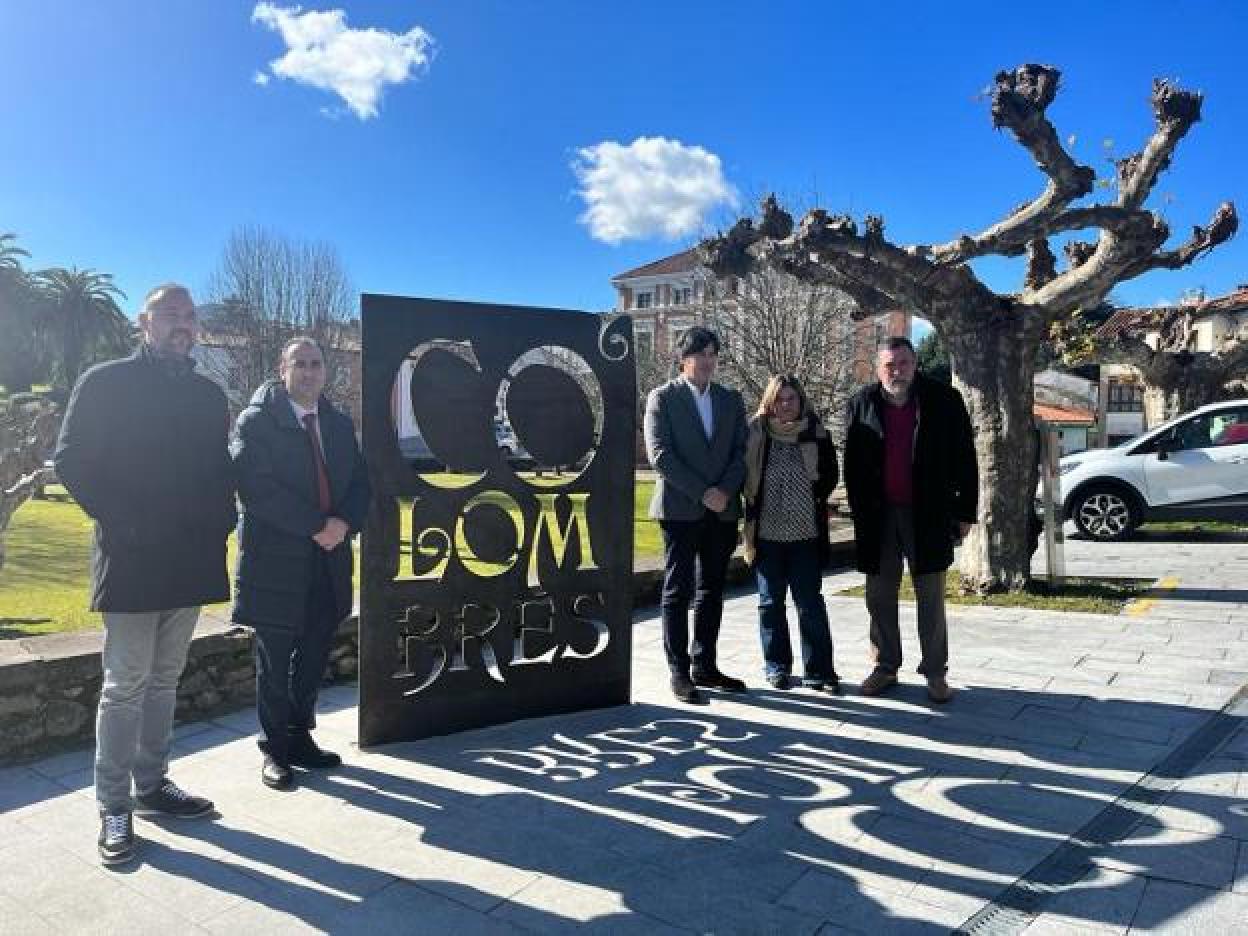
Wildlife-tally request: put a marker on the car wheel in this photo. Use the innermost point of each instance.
(1105, 513)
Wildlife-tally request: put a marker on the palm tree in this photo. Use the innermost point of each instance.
(10, 254)
(21, 354)
(83, 316)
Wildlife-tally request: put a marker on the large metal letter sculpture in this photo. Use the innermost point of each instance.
(497, 562)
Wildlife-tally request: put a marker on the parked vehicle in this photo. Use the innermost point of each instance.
(1194, 467)
(508, 445)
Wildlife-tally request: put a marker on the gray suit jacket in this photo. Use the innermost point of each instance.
(686, 461)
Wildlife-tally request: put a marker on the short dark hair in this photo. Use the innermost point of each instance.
(300, 341)
(895, 343)
(695, 340)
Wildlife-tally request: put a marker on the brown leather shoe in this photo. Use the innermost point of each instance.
(938, 690)
(879, 681)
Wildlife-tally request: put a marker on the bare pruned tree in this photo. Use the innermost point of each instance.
(992, 337)
(771, 322)
(268, 288)
(1181, 377)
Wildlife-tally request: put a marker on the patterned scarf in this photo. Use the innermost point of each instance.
(789, 432)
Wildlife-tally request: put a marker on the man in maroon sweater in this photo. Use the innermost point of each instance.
(912, 480)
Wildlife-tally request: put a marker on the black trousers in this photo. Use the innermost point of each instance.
(695, 560)
(290, 666)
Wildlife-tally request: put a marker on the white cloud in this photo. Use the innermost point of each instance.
(261, 79)
(653, 187)
(356, 64)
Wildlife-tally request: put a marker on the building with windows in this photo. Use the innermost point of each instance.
(1207, 325)
(666, 296)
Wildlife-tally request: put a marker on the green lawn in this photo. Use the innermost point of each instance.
(44, 583)
(1097, 596)
(1193, 526)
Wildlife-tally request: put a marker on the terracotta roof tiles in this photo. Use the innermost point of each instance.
(1066, 415)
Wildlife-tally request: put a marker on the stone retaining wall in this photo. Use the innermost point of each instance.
(49, 686)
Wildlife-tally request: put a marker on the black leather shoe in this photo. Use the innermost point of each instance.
(305, 753)
(714, 679)
(116, 842)
(276, 776)
(684, 690)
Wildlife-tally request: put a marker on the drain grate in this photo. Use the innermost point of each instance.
(1020, 903)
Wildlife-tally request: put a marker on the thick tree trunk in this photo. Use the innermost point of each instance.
(993, 368)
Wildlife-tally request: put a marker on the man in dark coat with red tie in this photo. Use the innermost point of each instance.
(304, 490)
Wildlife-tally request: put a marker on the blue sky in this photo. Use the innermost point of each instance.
(136, 134)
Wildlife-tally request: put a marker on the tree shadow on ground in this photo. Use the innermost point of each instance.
(1145, 535)
(1218, 595)
(13, 627)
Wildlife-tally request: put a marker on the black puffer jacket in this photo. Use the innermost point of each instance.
(946, 475)
(143, 451)
(277, 487)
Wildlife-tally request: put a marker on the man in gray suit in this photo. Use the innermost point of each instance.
(695, 438)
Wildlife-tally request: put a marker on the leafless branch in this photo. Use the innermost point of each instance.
(270, 288)
(1222, 227)
(1019, 101)
(1175, 111)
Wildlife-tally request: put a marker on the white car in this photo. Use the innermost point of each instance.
(1194, 467)
(508, 444)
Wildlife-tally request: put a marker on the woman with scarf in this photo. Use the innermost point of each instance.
(790, 471)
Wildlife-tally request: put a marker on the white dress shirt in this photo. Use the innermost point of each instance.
(702, 400)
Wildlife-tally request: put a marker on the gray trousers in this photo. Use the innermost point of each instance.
(144, 654)
(897, 542)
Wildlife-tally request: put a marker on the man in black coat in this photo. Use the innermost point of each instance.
(912, 480)
(305, 491)
(143, 451)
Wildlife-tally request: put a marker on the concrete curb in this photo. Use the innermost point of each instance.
(50, 685)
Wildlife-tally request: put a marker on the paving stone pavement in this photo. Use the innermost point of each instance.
(772, 812)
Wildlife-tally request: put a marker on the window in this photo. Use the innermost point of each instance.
(644, 300)
(1125, 397)
(1192, 434)
(645, 345)
(1230, 427)
(681, 295)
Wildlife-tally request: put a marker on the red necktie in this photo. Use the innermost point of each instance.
(322, 477)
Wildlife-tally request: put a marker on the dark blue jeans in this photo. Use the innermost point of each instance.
(290, 666)
(695, 560)
(793, 567)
